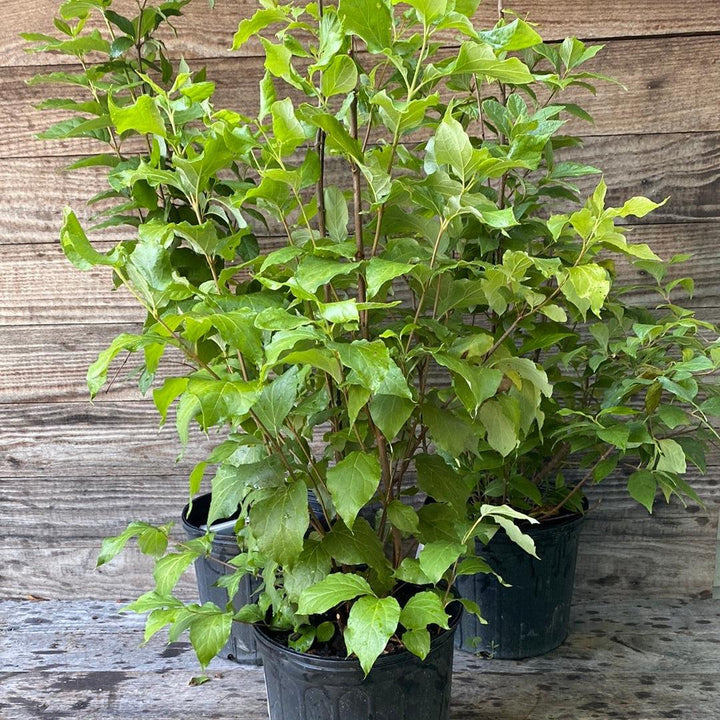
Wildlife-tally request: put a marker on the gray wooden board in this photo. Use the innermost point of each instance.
(203, 33)
(628, 660)
(651, 99)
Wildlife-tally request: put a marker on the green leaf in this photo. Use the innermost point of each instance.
(501, 428)
(209, 632)
(77, 247)
(333, 590)
(276, 401)
(343, 311)
(340, 77)
(258, 22)
(352, 483)
(642, 486)
(336, 214)
(452, 145)
(402, 516)
(423, 609)
(169, 569)
(503, 517)
(440, 481)
(417, 642)
(449, 432)
(436, 557)
(313, 272)
(359, 546)
(287, 129)
(313, 565)
(390, 413)
(280, 521)
(671, 457)
(379, 271)
(142, 117)
(232, 482)
(371, 623)
(586, 287)
(639, 207)
(479, 59)
(222, 401)
(370, 20)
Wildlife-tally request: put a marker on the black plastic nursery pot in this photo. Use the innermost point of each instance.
(400, 686)
(241, 645)
(532, 616)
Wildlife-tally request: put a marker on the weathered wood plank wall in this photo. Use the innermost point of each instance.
(73, 472)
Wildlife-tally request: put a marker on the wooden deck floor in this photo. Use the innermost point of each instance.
(639, 661)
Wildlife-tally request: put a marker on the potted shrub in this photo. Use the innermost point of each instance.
(310, 361)
(633, 372)
(346, 359)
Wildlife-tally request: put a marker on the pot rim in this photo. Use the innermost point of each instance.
(349, 664)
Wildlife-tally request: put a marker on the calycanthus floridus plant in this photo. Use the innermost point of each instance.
(382, 343)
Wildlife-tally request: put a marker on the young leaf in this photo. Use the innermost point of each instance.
(371, 623)
(333, 590)
(352, 483)
(370, 20)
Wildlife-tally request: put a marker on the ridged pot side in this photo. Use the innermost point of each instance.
(241, 644)
(532, 616)
(400, 686)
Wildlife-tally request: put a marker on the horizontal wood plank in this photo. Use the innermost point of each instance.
(638, 165)
(51, 551)
(206, 34)
(92, 441)
(45, 291)
(657, 660)
(655, 99)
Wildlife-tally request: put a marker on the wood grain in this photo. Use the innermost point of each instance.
(633, 661)
(656, 100)
(109, 439)
(206, 34)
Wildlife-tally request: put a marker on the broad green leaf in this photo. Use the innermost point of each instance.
(352, 483)
(417, 642)
(440, 481)
(479, 59)
(586, 287)
(209, 632)
(370, 20)
(671, 457)
(452, 145)
(222, 401)
(423, 609)
(333, 590)
(638, 206)
(313, 565)
(343, 311)
(141, 117)
(77, 247)
(231, 483)
(371, 623)
(336, 214)
(359, 546)
(287, 130)
(450, 432)
(313, 272)
(379, 271)
(390, 413)
(279, 522)
(402, 516)
(276, 401)
(168, 570)
(340, 77)
(258, 22)
(642, 487)
(436, 557)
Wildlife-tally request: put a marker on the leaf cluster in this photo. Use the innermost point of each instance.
(384, 286)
